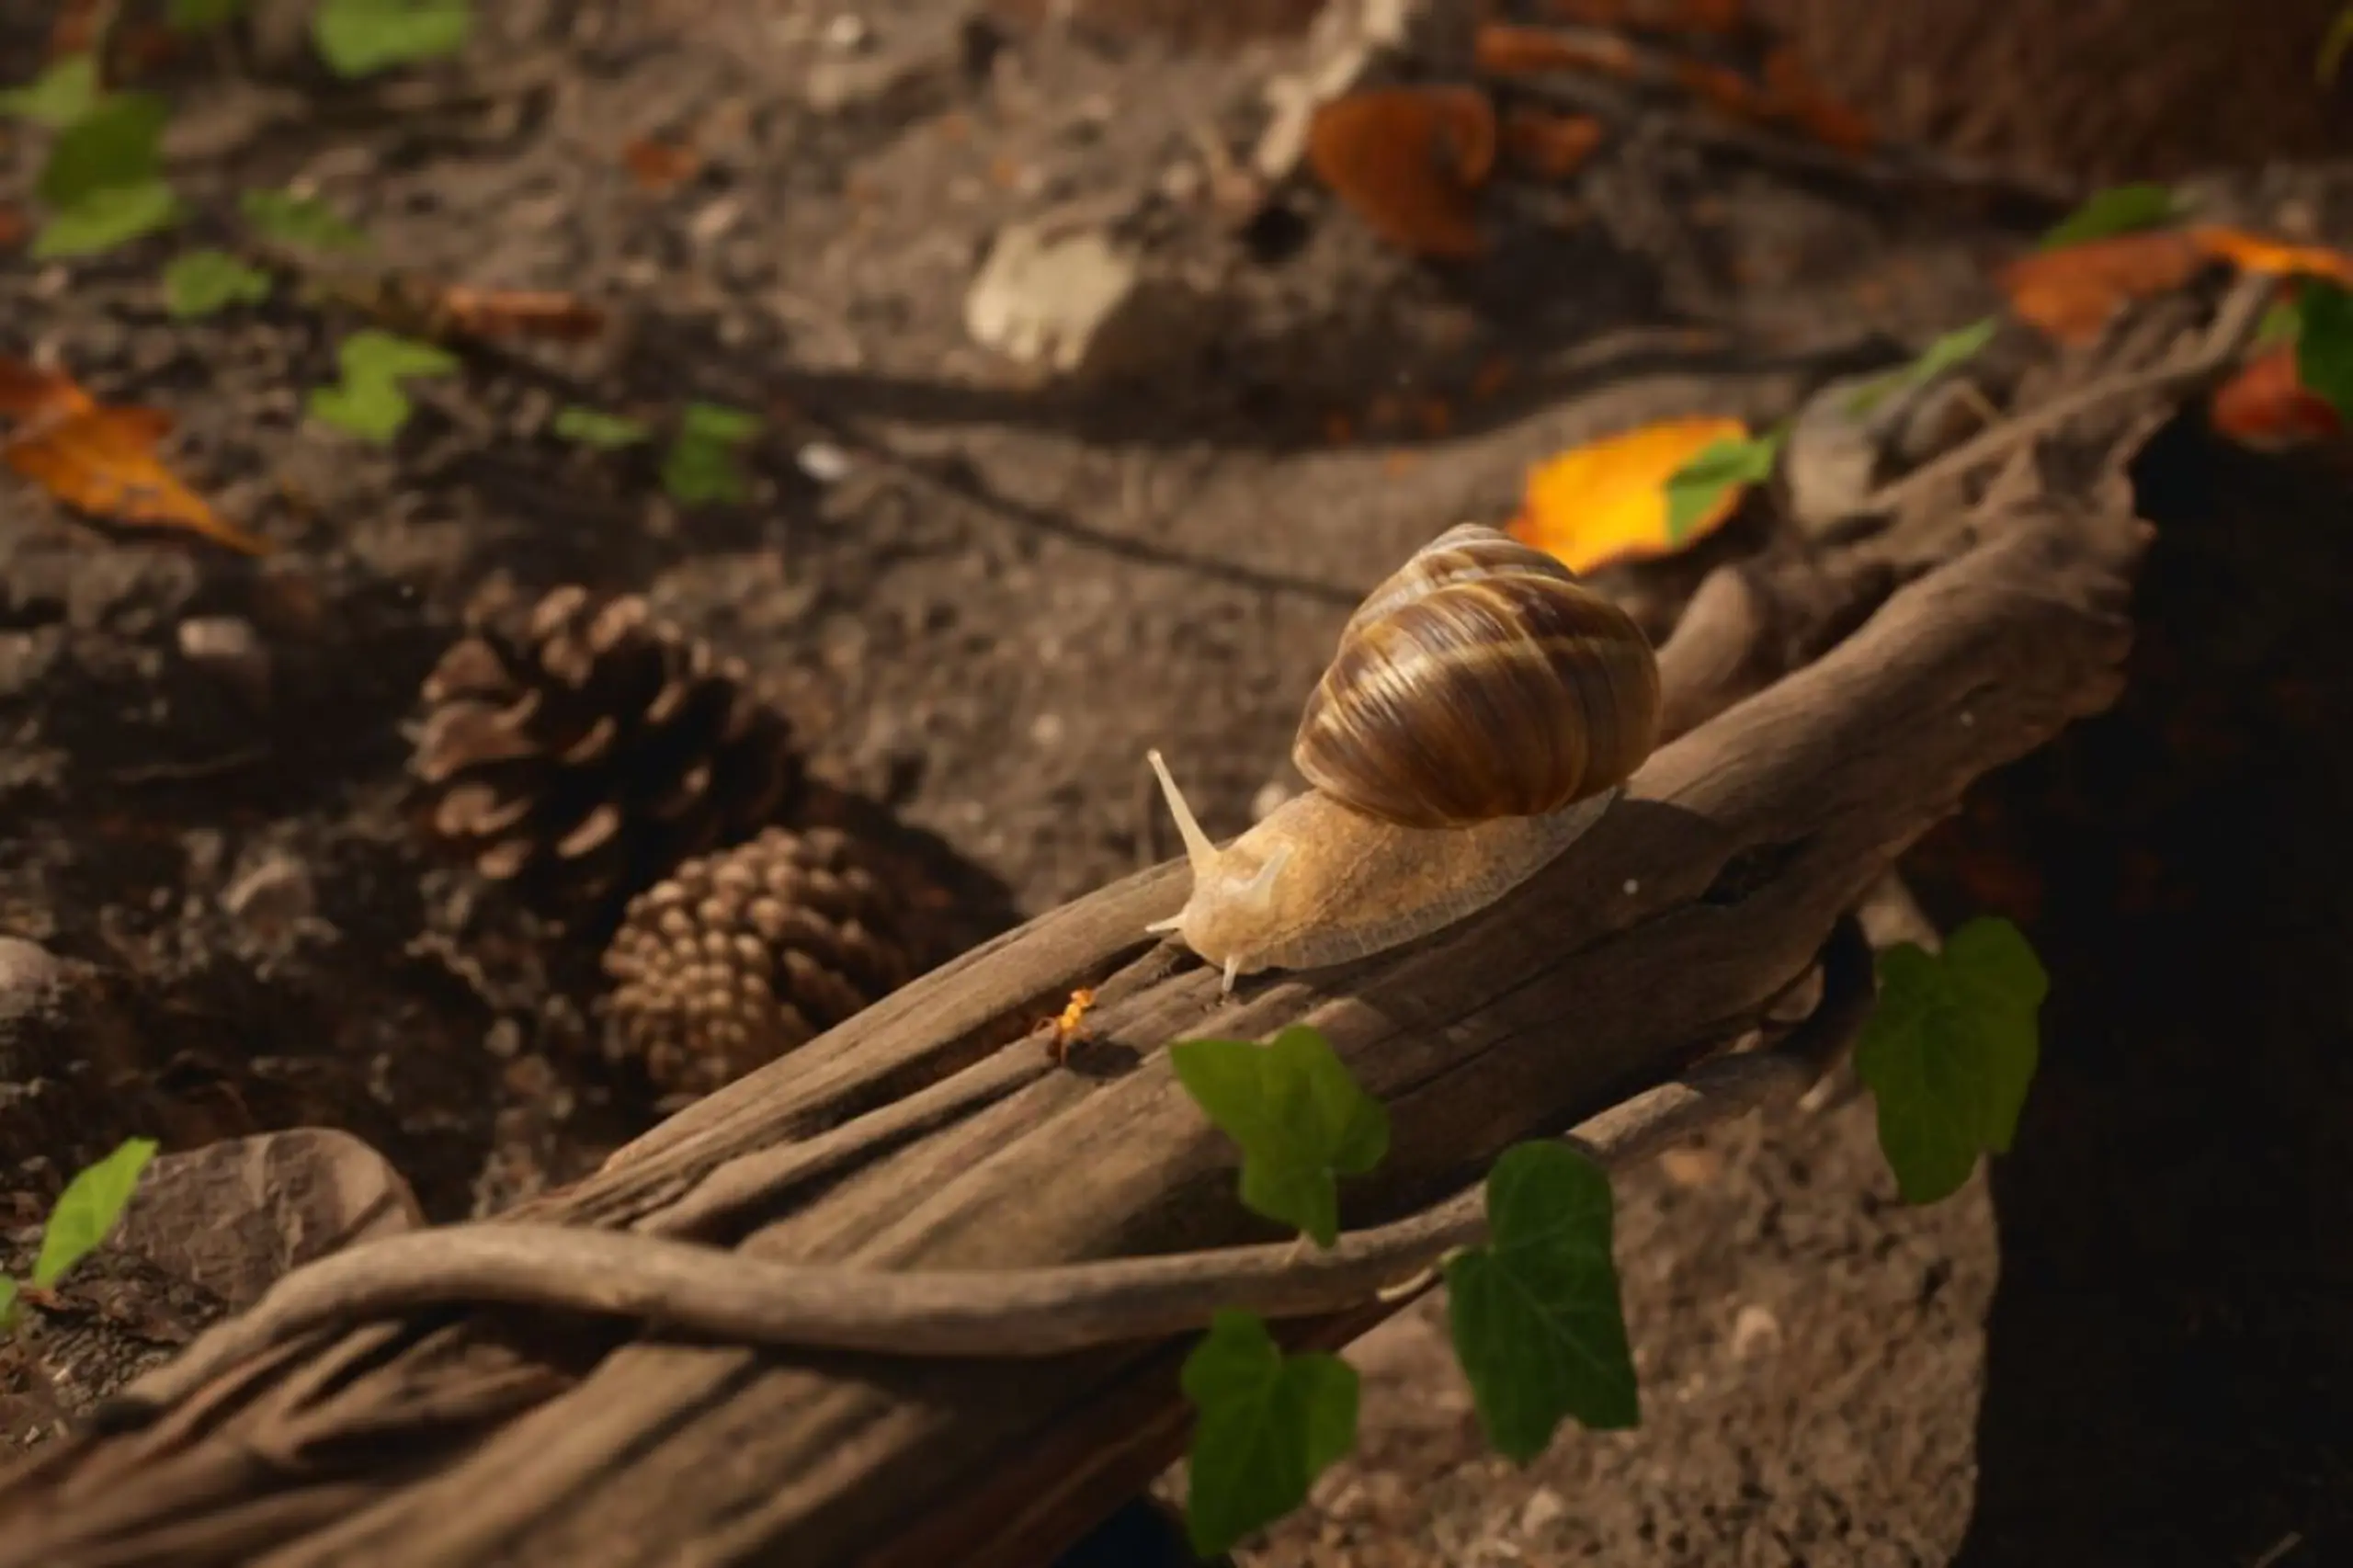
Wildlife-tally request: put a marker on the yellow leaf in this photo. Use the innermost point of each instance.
(1606, 500)
(2267, 257)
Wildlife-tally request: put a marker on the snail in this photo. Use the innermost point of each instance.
(1479, 715)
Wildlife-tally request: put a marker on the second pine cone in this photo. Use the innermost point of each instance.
(739, 957)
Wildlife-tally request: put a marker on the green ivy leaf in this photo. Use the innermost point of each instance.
(65, 91)
(701, 465)
(115, 143)
(1693, 490)
(202, 16)
(369, 403)
(7, 1303)
(1950, 1052)
(1536, 1316)
(107, 218)
(1269, 1425)
(594, 427)
(303, 221)
(359, 37)
(1301, 1121)
(2324, 343)
(2119, 210)
(88, 1209)
(205, 281)
(1955, 348)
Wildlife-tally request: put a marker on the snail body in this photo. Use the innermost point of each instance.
(1480, 713)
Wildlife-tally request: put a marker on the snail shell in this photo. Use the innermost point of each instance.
(1482, 710)
(1482, 680)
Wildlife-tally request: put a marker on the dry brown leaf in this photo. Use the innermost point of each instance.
(1502, 48)
(1794, 96)
(102, 460)
(1550, 145)
(1606, 500)
(515, 313)
(2071, 292)
(30, 392)
(659, 166)
(2267, 407)
(1409, 162)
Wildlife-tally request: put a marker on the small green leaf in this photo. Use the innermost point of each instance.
(7, 1303)
(594, 427)
(2331, 59)
(203, 282)
(105, 218)
(115, 143)
(701, 465)
(1693, 490)
(359, 37)
(369, 402)
(373, 411)
(88, 1209)
(2324, 344)
(1955, 348)
(1536, 1320)
(371, 355)
(1950, 1052)
(62, 94)
(202, 16)
(2119, 210)
(1269, 1425)
(303, 221)
(1301, 1121)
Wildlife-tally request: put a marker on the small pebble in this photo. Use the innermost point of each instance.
(1754, 1331)
(227, 647)
(824, 462)
(1543, 1506)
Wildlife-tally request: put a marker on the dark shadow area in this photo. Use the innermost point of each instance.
(2170, 1352)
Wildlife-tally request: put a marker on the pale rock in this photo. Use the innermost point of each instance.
(1076, 304)
(228, 648)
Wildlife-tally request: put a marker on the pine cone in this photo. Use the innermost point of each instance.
(577, 749)
(740, 956)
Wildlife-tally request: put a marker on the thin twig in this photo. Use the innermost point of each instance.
(2234, 328)
(708, 1292)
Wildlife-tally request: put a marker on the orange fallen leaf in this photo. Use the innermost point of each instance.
(1552, 145)
(658, 166)
(1606, 501)
(14, 227)
(1408, 161)
(2267, 257)
(2267, 407)
(516, 312)
(102, 460)
(2072, 292)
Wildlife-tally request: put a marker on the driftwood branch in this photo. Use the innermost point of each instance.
(926, 1148)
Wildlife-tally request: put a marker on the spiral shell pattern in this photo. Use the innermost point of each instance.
(1480, 680)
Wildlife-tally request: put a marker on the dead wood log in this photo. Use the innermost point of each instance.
(927, 1134)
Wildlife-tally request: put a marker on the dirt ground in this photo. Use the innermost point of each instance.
(985, 596)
